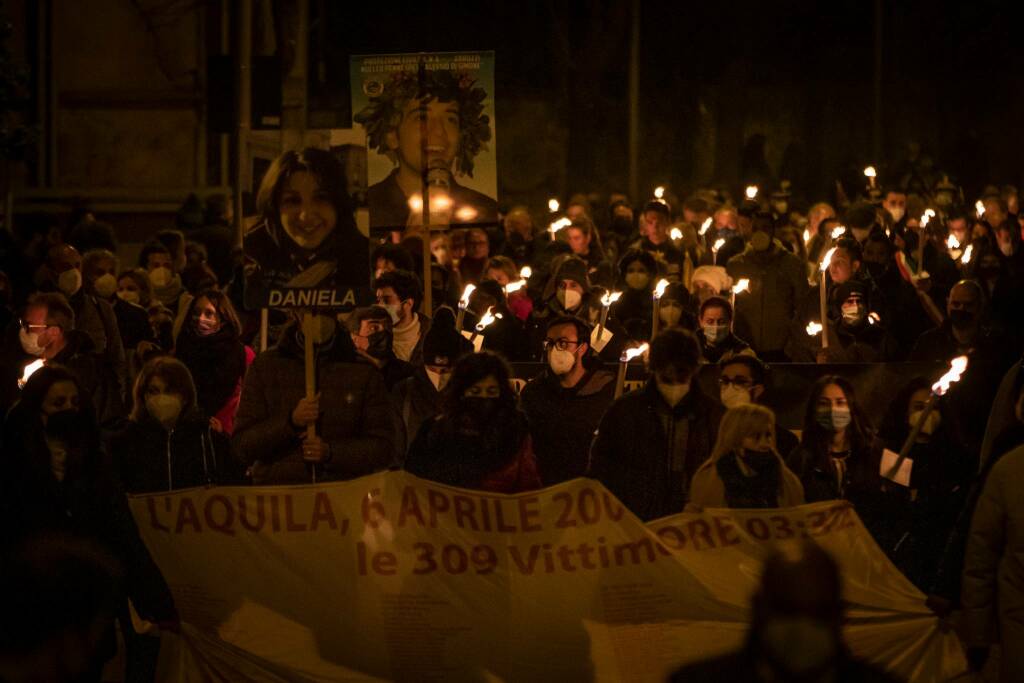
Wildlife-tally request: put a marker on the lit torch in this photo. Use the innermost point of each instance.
(813, 329)
(807, 236)
(558, 225)
(979, 208)
(968, 252)
(659, 192)
(463, 304)
(606, 302)
(953, 245)
(751, 192)
(659, 290)
(514, 286)
(705, 226)
(823, 296)
(838, 231)
(719, 243)
(29, 371)
(742, 285)
(627, 355)
(957, 366)
(676, 234)
(486, 320)
(553, 205)
(870, 173)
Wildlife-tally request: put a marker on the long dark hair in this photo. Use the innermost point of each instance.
(894, 428)
(329, 174)
(469, 370)
(230, 324)
(816, 438)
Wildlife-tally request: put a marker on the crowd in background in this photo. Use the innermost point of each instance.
(150, 381)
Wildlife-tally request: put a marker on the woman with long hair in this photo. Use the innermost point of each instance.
(745, 469)
(210, 347)
(168, 444)
(480, 440)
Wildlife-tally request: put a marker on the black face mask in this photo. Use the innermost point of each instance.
(480, 408)
(961, 319)
(66, 425)
(621, 225)
(758, 460)
(989, 272)
(379, 345)
(876, 270)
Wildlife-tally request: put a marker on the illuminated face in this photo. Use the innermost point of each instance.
(477, 244)
(368, 327)
(100, 267)
(485, 388)
(442, 124)
(963, 298)
(498, 276)
(307, 213)
(575, 211)
(895, 203)
(654, 226)
(714, 315)
(760, 439)
(127, 284)
(918, 401)
(60, 396)
(578, 240)
(206, 313)
(159, 259)
(833, 396)
(841, 268)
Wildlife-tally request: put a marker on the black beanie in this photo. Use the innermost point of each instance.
(442, 344)
(574, 269)
(861, 215)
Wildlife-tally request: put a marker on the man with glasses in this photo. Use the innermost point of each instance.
(744, 379)
(565, 402)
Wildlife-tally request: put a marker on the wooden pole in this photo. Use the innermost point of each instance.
(308, 332)
(264, 324)
(823, 299)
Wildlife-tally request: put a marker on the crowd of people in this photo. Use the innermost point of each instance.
(149, 380)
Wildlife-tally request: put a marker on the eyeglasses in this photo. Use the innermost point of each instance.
(28, 327)
(741, 382)
(562, 344)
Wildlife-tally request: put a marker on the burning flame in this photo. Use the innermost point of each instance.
(630, 354)
(558, 225)
(870, 172)
(874, 318)
(659, 289)
(514, 286)
(807, 236)
(676, 234)
(979, 207)
(813, 329)
(659, 192)
(487, 319)
(930, 213)
(609, 298)
(966, 258)
(466, 293)
(525, 272)
(838, 231)
(29, 371)
(742, 285)
(553, 205)
(705, 225)
(956, 368)
(719, 243)
(925, 218)
(952, 242)
(828, 258)
(751, 191)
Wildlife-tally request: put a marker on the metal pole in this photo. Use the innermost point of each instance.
(634, 102)
(244, 109)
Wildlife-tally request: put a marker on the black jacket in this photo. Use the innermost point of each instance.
(631, 455)
(563, 421)
(415, 401)
(148, 458)
(217, 364)
(97, 376)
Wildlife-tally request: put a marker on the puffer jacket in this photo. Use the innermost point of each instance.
(778, 283)
(356, 419)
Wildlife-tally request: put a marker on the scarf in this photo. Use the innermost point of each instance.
(405, 338)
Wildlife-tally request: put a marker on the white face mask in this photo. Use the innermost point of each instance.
(394, 310)
(105, 285)
(853, 313)
(715, 333)
(637, 280)
(800, 645)
(860, 234)
(129, 295)
(670, 315)
(561, 362)
(931, 423)
(161, 276)
(733, 396)
(897, 213)
(569, 298)
(70, 281)
(438, 379)
(673, 393)
(835, 418)
(164, 408)
(30, 342)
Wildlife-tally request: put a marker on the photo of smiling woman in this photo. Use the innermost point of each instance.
(306, 236)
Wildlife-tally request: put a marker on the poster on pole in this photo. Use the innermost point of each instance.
(449, 99)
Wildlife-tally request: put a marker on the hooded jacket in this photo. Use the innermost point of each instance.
(356, 419)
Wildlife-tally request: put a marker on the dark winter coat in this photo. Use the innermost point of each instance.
(563, 421)
(631, 454)
(415, 401)
(356, 414)
(778, 282)
(217, 364)
(96, 375)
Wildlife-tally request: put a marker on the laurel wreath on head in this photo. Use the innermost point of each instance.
(384, 111)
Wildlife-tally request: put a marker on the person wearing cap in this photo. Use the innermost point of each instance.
(778, 282)
(655, 220)
(638, 272)
(862, 220)
(706, 282)
(854, 336)
(566, 293)
(565, 402)
(371, 331)
(717, 341)
(417, 399)
(674, 308)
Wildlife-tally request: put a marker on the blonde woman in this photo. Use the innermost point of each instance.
(745, 470)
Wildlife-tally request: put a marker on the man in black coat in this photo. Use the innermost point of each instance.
(565, 402)
(651, 442)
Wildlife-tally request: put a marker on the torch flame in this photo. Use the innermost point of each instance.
(705, 225)
(558, 225)
(676, 234)
(807, 236)
(828, 258)
(659, 289)
(742, 285)
(514, 286)
(956, 368)
(838, 231)
(29, 371)
(487, 319)
(719, 243)
(952, 242)
(813, 329)
(630, 354)
(751, 191)
(930, 213)
(966, 258)
(466, 293)
(610, 297)
(553, 205)
(979, 207)
(925, 218)
(659, 192)
(874, 318)
(870, 172)
(525, 272)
